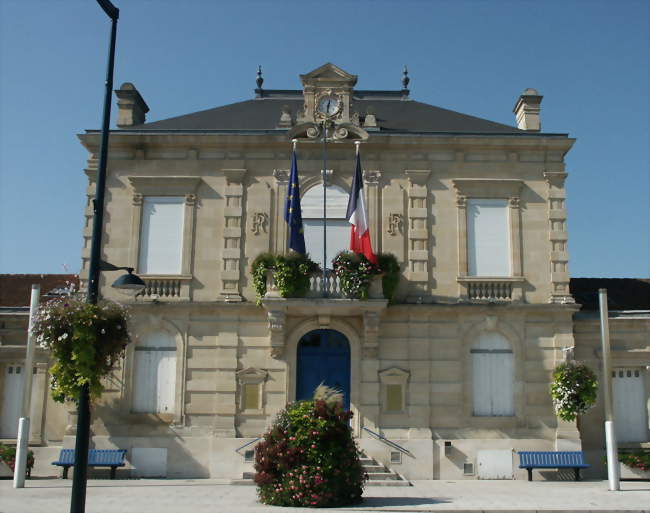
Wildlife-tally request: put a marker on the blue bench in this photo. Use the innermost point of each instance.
(96, 458)
(550, 459)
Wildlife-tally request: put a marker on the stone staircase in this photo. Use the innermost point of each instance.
(378, 475)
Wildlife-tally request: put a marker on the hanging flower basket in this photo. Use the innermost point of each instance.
(574, 390)
(85, 341)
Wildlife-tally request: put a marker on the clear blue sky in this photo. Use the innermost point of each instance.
(588, 58)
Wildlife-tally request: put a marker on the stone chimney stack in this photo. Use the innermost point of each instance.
(527, 110)
(132, 108)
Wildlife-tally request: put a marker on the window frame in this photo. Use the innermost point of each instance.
(391, 377)
(251, 376)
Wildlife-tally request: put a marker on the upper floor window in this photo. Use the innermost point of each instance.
(338, 227)
(488, 237)
(161, 235)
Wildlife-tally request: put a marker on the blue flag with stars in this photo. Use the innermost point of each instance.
(293, 212)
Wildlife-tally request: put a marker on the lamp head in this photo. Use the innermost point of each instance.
(130, 284)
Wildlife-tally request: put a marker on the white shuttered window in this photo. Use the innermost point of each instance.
(493, 376)
(154, 374)
(488, 237)
(161, 235)
(630, 405)
(338, 227)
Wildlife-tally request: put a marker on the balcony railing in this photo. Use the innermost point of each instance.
(166, 288)
(317, 286)
(488, 289)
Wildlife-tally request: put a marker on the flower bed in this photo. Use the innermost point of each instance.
(84, 340)
(308, 457)
(8, 455)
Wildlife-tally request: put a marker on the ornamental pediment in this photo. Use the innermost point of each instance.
(328, 75)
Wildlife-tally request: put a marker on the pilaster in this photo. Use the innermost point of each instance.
(232, 251)
(418, 233)
(372, 181)
(279, 225)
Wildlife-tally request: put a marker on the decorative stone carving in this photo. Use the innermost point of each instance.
(394, 224)
(137, 199)
(285, 117)
(372, 177)
(259, 223)
(281, 176)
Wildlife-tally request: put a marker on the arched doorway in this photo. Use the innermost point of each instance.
(323, 357)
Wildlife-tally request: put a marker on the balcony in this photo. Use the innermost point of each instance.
(166, 287)
(476, 289)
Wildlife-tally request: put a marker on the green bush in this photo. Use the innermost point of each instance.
(8, 455)
(391, 273)
(574, 389)
(84, 340)
(309, 458)
(291, 273)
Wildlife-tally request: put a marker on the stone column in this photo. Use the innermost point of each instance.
(371, 179)
(558, 238)
(418, 234)
(231, 254)
(279, 226)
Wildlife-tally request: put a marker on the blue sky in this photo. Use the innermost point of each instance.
(588, 58)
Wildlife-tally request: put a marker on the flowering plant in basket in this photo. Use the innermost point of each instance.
(355, 272)
(308, 457)
(84, 340)
(574, 389)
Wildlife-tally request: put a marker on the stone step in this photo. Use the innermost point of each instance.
(374, 468)
(382, 476)
(388, 482)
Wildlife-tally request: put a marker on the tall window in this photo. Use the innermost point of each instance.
(161, 235)
(488, 237)
(154, 374)
(338, 228)
(630, 405)
(493, 376)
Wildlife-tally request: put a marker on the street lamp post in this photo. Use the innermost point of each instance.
(80, 475)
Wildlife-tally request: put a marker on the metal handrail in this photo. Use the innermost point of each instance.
(389, 442)
(248, 443)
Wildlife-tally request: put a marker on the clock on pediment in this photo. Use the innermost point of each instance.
(327, 92)
(328, 105)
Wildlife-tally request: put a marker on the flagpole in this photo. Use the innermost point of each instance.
(325, 280)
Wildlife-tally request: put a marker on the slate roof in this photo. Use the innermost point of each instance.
(16, 289)
(394, 115)
(622, 293)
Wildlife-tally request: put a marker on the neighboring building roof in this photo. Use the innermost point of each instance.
(622, 293)
(394, 115)
(16, 289)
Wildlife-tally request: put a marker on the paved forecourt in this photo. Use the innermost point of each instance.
(210, 495)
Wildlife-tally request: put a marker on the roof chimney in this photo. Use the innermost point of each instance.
(132, 107)
(527, 110)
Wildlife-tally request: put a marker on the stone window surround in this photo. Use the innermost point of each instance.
(477, 188)
(393, 376)
(154, 324)
(251, 376)
(179, 186)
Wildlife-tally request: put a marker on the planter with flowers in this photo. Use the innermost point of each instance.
(284, 275)
(85, 341)
(634, 464)
(308, 457)
(356, 274)
(574, 389)
(8, 461)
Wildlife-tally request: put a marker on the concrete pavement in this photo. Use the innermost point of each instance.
(215, 496)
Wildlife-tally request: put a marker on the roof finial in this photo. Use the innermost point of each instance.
(405, 81)
(260, 79)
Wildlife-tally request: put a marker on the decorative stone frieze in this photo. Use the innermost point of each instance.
(418, 232)
(232, 252)
(560, 292)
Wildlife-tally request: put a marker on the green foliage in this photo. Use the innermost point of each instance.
(355, 272)
(635, 459)
(291, 273)
(391, 274)
(309, 458)
(84, 341)
(574, 389)
(8, 455)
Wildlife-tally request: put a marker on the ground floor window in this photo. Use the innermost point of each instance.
(154, 374)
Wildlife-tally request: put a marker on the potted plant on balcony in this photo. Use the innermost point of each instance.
(357, 273)
(84, 340)
(291, 274)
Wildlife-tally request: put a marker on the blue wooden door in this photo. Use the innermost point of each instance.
(323, 357)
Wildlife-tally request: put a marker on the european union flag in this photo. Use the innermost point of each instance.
(293, 212)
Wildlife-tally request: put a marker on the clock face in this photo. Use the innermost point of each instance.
(328, 105)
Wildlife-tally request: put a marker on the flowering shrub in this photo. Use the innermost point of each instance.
(308, 458)
(391, 274)
(355, 272)
(635, 459)
(290, 272)
(574, 389)
(8, 455)
(84, 340)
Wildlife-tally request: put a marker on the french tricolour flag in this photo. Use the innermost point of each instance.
(357, 217)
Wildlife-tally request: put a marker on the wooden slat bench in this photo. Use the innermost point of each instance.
(551, 459)
(96, 458)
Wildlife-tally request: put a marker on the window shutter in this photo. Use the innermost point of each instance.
(161, 235)
(488, 237)
(493, 376)
(630, 411)
(154, 374)
(482, 385)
